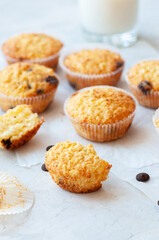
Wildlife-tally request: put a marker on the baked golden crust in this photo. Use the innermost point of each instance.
(95, 61)
(27, 80)
(145, 71)
(100, 106)
(76, 168)
(31, 46)
(18, 126)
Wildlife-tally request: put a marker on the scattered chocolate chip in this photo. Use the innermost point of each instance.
(50, 146)
(52, 80)
(142, 177)
(158, 202)
(39, 91)
(119, 64)
(73, 85)
(29, 70)
(6, 143)
(145, 87)
(43, 167)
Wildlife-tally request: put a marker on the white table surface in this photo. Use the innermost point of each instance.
(118, 211)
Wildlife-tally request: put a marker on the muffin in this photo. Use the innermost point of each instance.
(14, 197)
(143, 80)
(27, 83)
(32, 48)
(101, 113)
(91, 67)
(76, 168)
(18, 126)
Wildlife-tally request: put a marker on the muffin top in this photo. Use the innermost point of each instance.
(73, 160)
(100, 106)
(145, 75)
(95, 61)
(31, 46)
(27, 80)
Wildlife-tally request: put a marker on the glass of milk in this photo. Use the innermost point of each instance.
(114, 21)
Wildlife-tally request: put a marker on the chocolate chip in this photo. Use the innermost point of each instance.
(29, 70)
(142, 177)
(39, 91)
(50, 146)
(43, 167)
(119, 64)
(21, 59)
(52, 80)
(158, 202)
(29, 86)
(6, 143)
(73, 85)
(145, 87)
(11, 107)
(60, 181)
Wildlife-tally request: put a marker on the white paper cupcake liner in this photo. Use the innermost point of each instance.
(154, 118)
(39, 103)
(151, 100)
(50, 61)
(14, 197)
(79, 81)
(103, 132)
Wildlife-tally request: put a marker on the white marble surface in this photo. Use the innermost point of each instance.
(118, 210)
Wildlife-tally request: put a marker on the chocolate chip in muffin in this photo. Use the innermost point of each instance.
(52, 80)
(43, 167)
(73, 85)
(50, 146)
(21, 59)
(39, 91)
(142, 177)
(145, 86)
(29, 86)
(11, 107)
(119, 64)
(6, 143)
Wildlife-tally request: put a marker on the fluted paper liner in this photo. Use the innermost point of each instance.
(79, 81)
(14, 197)
(50, 61)
(154, 118)
(103, 132)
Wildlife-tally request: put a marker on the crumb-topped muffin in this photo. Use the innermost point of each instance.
(18, 126)
(93, 62)
(92, 109)
(143, 80)
(32, 47)
(91, 67)
(27, 82)
(76, 168)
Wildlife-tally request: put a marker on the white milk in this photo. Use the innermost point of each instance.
(108, 17)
